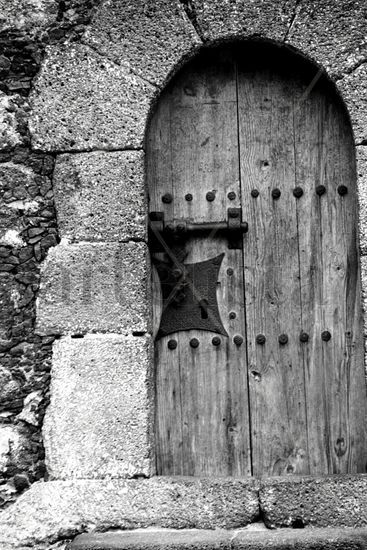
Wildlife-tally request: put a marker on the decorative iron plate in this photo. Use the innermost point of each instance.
(190, 297)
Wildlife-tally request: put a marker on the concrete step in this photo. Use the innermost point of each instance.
(252, 538)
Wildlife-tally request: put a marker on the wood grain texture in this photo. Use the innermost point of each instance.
(236, 120)
(202, 425)
(273, 307)
(335, 385)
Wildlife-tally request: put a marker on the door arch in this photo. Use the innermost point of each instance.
(259, 335)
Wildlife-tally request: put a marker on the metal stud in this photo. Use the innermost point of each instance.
(233, 212)
(210, 196)
(188, 197)
(216, 341)
(231, 195)
(320, 190)
(325, 336)
(238, 340)
(232, 315)
(304, 337)
(276, 193)
(260, 339)
(229, 271)
(342, 190)
(283, 339)
(167, 198)
(172, 344)
(194, 343)
(254, 193)
(298, 192)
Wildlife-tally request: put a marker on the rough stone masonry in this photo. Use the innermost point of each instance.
(78, 79)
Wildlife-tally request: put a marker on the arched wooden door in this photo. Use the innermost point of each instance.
(259, 337)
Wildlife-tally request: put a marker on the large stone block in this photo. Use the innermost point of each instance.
(83, 101)
(61, 509)
(353, 90)
(100, 196)
(338, 500)
(99, 420)
(332, 33)
(362, 196)
(151, 37)
(94, 288)
(244, 18)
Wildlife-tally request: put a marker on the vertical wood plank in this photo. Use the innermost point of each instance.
(331, 286)
(271, 266)
(202, 421)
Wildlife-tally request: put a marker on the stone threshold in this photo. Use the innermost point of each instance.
(57, 510)
(252, 538)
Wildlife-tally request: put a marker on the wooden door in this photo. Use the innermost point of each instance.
(259, 339)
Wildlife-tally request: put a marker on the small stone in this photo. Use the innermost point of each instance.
(28, 278)
(35, 231)
(12, 260)
(4, 252)
(6, 267)
(38, 252)
(25, 254)
(21, 482)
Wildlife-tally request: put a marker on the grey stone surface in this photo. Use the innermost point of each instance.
(83, 101)
(62, 509)
(332, 33)
(353, 90)
(151, 38)
(94, 288)
(362, 196)
(100, 196)
(249, 539)
(244, 18)
(99, 420)
(26, 16)
(328, 501)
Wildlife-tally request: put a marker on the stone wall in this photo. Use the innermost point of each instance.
(28, 228)
(78, 79)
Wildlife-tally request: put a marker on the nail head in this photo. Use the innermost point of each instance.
(325, 335)
(342, 190)
(216, 341)
(167, 198)
(254, 193)
(238, 340)
(298, 192)
(283, 339)
(276, 193)
(260, 339)
(210, 196)
(320, 190)
(231, 195)
(194, 342)
(172, 344)
(188, 197)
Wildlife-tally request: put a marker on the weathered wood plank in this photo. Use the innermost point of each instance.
(330, 282)
(273, 307)
(207, 433)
